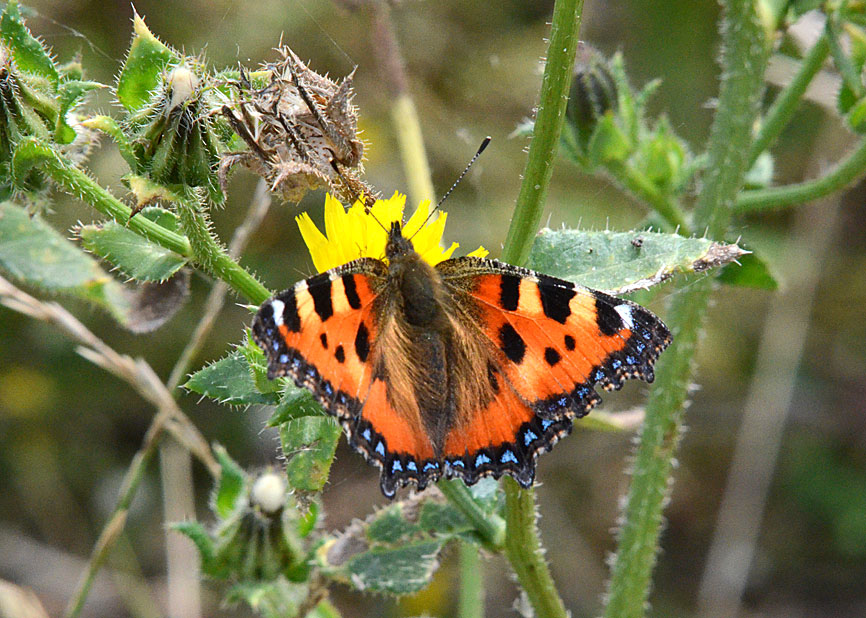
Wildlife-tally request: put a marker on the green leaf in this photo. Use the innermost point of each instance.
(309, 443)
(142, 71)
(398, 571)
(395, 550)
(33, 252)
(163, 217)
(229, 381)
(71, 93)
(109, 126)
(135, 256)
(259, 367)
(608, 142)
(621, 262)
(230, 485)
(29, 53)
(750, 271)
(295, 402)
(197, 533)
(277, 598)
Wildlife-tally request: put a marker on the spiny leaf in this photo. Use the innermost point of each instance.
(230, 381)
(395, 550)
(231, 483)
(29, 53)
(622, 262)
(295, 402)
(309, 444)
(33, 252)
(749, 271)
(135, 256)
(141, 72)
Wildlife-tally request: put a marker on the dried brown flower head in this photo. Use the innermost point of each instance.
(301, 130)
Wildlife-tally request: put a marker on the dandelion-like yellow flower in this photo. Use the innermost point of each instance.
(354, 233)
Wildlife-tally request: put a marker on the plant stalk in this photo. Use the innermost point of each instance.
(471, 601)
(545, 134)
(744, 60)
(522, 544)
(785, 104)
(841, 176)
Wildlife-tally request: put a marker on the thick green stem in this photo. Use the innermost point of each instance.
(744, 60)
(76, 182)
(545, 134)
(783, 108)
(844, 174)
(636, 182)
(210, 255)
(522, 545)
(491, 528)
(471, 602)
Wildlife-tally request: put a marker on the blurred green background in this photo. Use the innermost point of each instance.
(68, 430)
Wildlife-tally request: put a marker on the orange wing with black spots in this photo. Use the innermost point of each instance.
(323, 333)
(550, 342)
(468, 369)
(320, 333)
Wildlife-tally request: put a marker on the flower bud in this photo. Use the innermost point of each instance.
(593, 94)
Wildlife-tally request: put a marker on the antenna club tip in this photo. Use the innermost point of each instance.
(484, 144)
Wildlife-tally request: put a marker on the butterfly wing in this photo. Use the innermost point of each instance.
(550, 342)
(324, 333)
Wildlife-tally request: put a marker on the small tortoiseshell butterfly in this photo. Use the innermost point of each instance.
(468, 368)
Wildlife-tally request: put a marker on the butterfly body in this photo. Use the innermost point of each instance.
(468, 368)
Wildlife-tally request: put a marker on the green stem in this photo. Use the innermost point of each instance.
(783, 108)
(850, 75)
(490, 527)
(471, 602)
(524, 551)
(75, 181)
(636, 182)
(210, 255)
(522, 545)
(744, 60)
(545, 134)
(844, 174)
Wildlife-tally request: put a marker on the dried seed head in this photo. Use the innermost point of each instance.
(301, 130)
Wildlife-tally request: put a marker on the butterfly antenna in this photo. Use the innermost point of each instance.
(457, 182)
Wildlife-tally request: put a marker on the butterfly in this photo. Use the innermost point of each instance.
(466, 369)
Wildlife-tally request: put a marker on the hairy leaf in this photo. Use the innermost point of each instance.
(395, 550)
(309, 443)
(230, 381)
(141, 72)
(35, 253)
(622, 262)
(135, 256)
(29, 53)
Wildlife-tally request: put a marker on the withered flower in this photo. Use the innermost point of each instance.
(301, 130)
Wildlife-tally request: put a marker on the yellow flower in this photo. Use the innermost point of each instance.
(353, 233)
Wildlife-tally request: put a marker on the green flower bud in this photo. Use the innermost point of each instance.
(173, 137)
(593, 94)
(259, 532)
